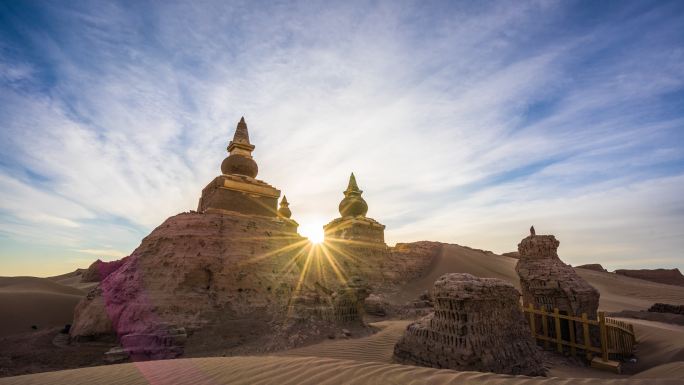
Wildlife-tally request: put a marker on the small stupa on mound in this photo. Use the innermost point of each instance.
(353, 226)
(237, 188)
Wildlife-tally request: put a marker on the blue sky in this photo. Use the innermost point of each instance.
(464, 122)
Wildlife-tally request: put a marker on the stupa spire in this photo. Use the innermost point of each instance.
(352, 187)
(241, 139)
(241, 133)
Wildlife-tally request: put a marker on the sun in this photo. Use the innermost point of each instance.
(313, 231)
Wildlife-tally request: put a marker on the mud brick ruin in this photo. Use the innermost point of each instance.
(476, 325)
(342, 306)
(548, 283)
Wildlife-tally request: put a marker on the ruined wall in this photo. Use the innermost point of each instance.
(319, 304)
(548, 283)
(476, 325)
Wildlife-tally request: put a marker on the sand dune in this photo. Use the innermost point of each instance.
(671, 370)
(617, 292)
(289, 371)
(34, 284)
(658, 343)
(28, 301)
(375, 348)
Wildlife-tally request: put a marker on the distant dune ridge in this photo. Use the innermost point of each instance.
(667, 276)
(592, 266)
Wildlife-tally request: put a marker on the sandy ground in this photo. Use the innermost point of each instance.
(366, 360)
(29, 301)
(294, 371)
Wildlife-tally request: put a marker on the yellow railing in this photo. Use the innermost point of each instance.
(616, 337)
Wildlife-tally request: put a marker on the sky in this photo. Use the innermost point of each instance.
(464, 122)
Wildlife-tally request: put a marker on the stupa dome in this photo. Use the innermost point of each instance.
(239, 165)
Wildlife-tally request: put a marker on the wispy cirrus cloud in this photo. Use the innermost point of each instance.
(463, 122)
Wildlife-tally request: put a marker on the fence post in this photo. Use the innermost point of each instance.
(571, 327)
(604, 336)
(545, 327)
(556, 316)
(587, 341)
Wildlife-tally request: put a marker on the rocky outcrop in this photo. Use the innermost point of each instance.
(666, 276)
(476, 325)
(191, 271)
(666, 317)
(667, 308)
(99, 270)
(592, 266)
(549, 283)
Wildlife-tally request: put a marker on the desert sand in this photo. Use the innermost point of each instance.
(368, 360)
(301, 371)
(31, 301)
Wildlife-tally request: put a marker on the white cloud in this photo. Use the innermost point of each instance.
(429, 107)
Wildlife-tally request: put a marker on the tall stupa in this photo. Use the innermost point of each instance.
(237, 188)
(353, 226)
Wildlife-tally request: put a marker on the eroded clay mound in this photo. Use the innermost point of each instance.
(476, 325)
(193, 269)
(207, 271)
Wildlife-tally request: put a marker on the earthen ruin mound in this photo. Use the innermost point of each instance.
(547, 282)
(476, 325)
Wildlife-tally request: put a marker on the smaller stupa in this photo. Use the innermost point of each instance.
(285, 214)
(354, 227)
(236, 189)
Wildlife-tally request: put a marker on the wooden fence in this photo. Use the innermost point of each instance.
(617, 338)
